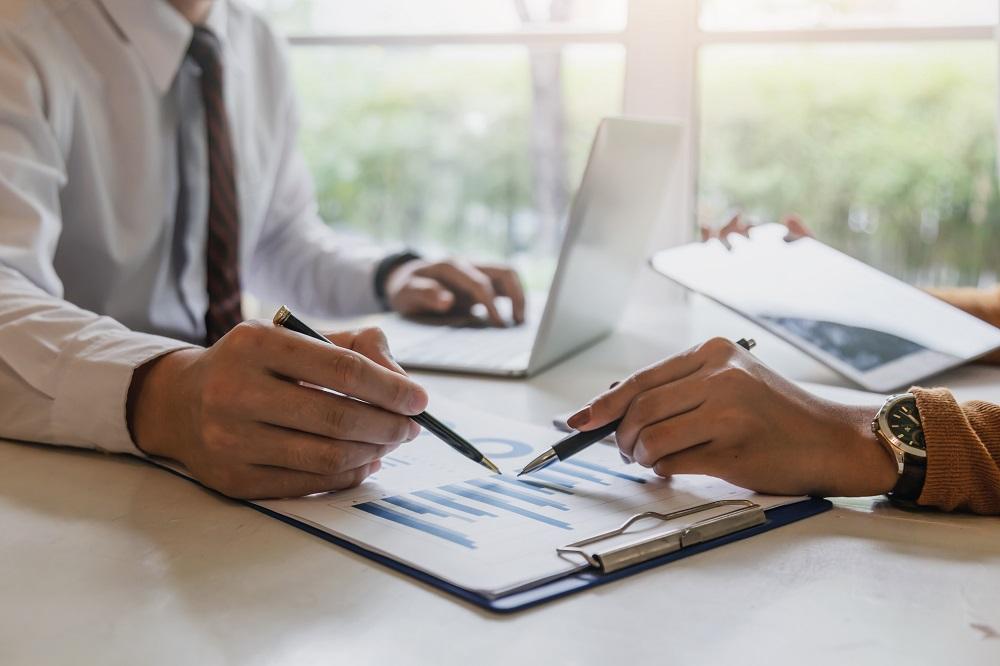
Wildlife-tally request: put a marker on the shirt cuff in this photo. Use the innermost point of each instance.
(387, 266)
(94, 382)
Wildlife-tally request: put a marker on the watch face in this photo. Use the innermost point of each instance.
(903, 421)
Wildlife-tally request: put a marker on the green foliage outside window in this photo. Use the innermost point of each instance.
(887, 151)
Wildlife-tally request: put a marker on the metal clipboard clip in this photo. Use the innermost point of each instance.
(747, 514)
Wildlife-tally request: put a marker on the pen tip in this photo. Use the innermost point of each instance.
(540, 462)
(488, 464)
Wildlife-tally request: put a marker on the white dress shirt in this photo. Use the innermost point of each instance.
(104, 204)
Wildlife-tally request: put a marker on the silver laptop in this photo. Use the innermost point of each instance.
(622, 194)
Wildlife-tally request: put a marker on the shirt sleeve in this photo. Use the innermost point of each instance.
(963, 452)
(298, 258)
(64, 371)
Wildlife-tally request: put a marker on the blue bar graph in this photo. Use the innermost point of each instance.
(452, 504)
(506, 506)
(492, 486)
(518, 483)
(552, 480)
(417, 524)
(415, 507)
(594, 467)
(561, 469)
(535, 484)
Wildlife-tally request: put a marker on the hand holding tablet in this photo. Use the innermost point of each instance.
(868, 326)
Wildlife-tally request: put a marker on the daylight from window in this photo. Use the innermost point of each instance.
(426, 125)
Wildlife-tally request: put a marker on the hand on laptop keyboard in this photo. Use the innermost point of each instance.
(452, 287)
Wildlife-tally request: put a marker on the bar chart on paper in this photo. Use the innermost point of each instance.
(483, 499)
(433, 510)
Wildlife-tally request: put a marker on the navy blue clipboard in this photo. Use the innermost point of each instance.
(556, 589)
(572, 583)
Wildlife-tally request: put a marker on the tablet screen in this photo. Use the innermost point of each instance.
(865, 324)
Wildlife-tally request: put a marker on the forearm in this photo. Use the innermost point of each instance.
(980, 303)
(963, 453)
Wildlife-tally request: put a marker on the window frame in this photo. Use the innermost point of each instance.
(662, 42)
(873, 35)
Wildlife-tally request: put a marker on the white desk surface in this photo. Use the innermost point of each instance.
(104, 559)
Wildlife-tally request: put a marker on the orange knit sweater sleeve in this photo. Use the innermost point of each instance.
(963, 452)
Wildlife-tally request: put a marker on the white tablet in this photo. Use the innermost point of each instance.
(872, 328)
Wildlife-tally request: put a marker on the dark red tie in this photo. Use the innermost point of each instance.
(222, 251)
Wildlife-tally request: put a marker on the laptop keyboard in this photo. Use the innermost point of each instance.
(499, 348)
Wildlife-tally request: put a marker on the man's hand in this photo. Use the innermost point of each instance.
(716, 410)
(245, 417)
(453, 287)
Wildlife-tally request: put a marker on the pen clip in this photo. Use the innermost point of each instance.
(745, 514)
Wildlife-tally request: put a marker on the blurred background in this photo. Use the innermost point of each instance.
(457, 126)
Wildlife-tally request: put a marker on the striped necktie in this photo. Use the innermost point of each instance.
(222, 250)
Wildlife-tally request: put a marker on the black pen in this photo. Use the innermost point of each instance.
(572, 444)
(284, 317)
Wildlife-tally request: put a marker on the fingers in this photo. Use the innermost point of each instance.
(668, 437)
(425, 294)
(736, 225)
(695, 460)
(369, 342)
(296, 356)
(796, 228)
(507, 283)
(658, 404)
(289, 449)
(612, 404)
(263, 482)
(469, 281)
(450, 285)
(308, 410)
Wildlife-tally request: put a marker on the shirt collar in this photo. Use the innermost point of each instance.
(161, 35)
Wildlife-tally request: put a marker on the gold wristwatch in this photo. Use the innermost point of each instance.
(898, 425)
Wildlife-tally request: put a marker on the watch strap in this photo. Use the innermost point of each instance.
(911, 481)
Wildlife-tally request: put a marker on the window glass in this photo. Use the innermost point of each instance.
(798, 14)
(888, 151)
(462, 149)
(349, 17)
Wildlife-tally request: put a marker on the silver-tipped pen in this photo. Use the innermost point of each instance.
(541, 462)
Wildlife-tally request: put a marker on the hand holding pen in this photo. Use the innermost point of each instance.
(627, 406)
(284, 318)
(244, 416)
(716, 409)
